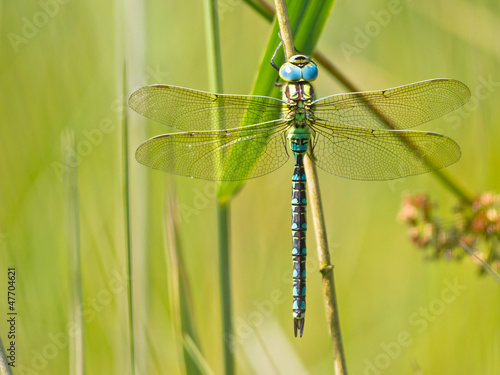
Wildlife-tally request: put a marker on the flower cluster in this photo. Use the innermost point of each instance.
(475, 226)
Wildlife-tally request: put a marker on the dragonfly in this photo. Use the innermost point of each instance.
(357, 136)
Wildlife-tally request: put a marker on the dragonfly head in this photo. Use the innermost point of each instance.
(299, 68)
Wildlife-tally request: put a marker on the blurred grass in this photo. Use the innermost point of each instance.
(68, 75)
(72, 230)
(223, 208)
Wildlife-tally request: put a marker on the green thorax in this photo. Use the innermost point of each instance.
(299, 114)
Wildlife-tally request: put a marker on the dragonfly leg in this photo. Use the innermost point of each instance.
(274, 54)
(276, 51)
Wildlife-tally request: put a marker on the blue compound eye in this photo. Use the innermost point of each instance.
(310, 72)
(290, 72)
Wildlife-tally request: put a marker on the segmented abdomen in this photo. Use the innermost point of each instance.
(299, 227)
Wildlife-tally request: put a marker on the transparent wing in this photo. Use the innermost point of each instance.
(365, 154)
(231, 155)
(398, 108)
(188, 109)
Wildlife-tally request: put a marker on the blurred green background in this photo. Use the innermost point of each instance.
(61, 75)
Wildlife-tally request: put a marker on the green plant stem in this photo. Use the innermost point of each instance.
(285, 30)
(184, 326)
(223, 208)
(223, 220)
(77, 365)
(214, 58)
(128, 230)
(195, 353)
(263, 8)
(326, 268)
(485, 265)
(268, 13)
(4, 363)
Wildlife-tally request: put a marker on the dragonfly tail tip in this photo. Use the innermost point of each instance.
(298, 325)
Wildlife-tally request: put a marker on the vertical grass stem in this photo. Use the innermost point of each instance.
(319, 222)
(223, 208)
